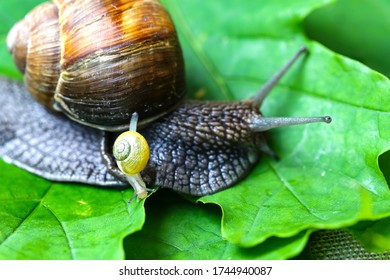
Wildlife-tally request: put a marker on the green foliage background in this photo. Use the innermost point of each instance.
(328, 177)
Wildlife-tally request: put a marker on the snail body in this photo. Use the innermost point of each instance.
(196, 147)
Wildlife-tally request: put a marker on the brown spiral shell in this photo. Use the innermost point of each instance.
(100, 61)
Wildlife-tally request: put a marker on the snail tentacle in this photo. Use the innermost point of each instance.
(140, 189)
(260, 123)
(258, 98)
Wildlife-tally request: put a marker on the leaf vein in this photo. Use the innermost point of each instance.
(290, 189)
(63, 230)
(27, 216)
(202, 56)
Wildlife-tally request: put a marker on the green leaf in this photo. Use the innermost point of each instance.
(374, 235)
(44, 220)
(356, 29)
(384, 164)
(182, 230)
(328, 176)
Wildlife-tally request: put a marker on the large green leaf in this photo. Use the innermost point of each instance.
(359, 35)
(177, 229)
(44, 220)
(317, 162)
(356, 29)
(328, 176)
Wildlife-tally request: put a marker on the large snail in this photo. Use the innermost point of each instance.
(120, 64)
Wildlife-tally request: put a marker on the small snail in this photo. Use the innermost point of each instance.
(131, 151)
(122, 63)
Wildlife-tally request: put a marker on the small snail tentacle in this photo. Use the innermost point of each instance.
(131, 152)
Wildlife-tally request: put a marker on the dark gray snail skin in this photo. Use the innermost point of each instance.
(198, 149)
(201, 147)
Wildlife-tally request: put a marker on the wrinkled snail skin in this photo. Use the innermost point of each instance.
(47, 144)
(136, 68)
(202, 147)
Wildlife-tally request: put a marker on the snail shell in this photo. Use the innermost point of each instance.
(131, 152)
(101, 66)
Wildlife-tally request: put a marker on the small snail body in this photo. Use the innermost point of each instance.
(131, 151)
(136, 68)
